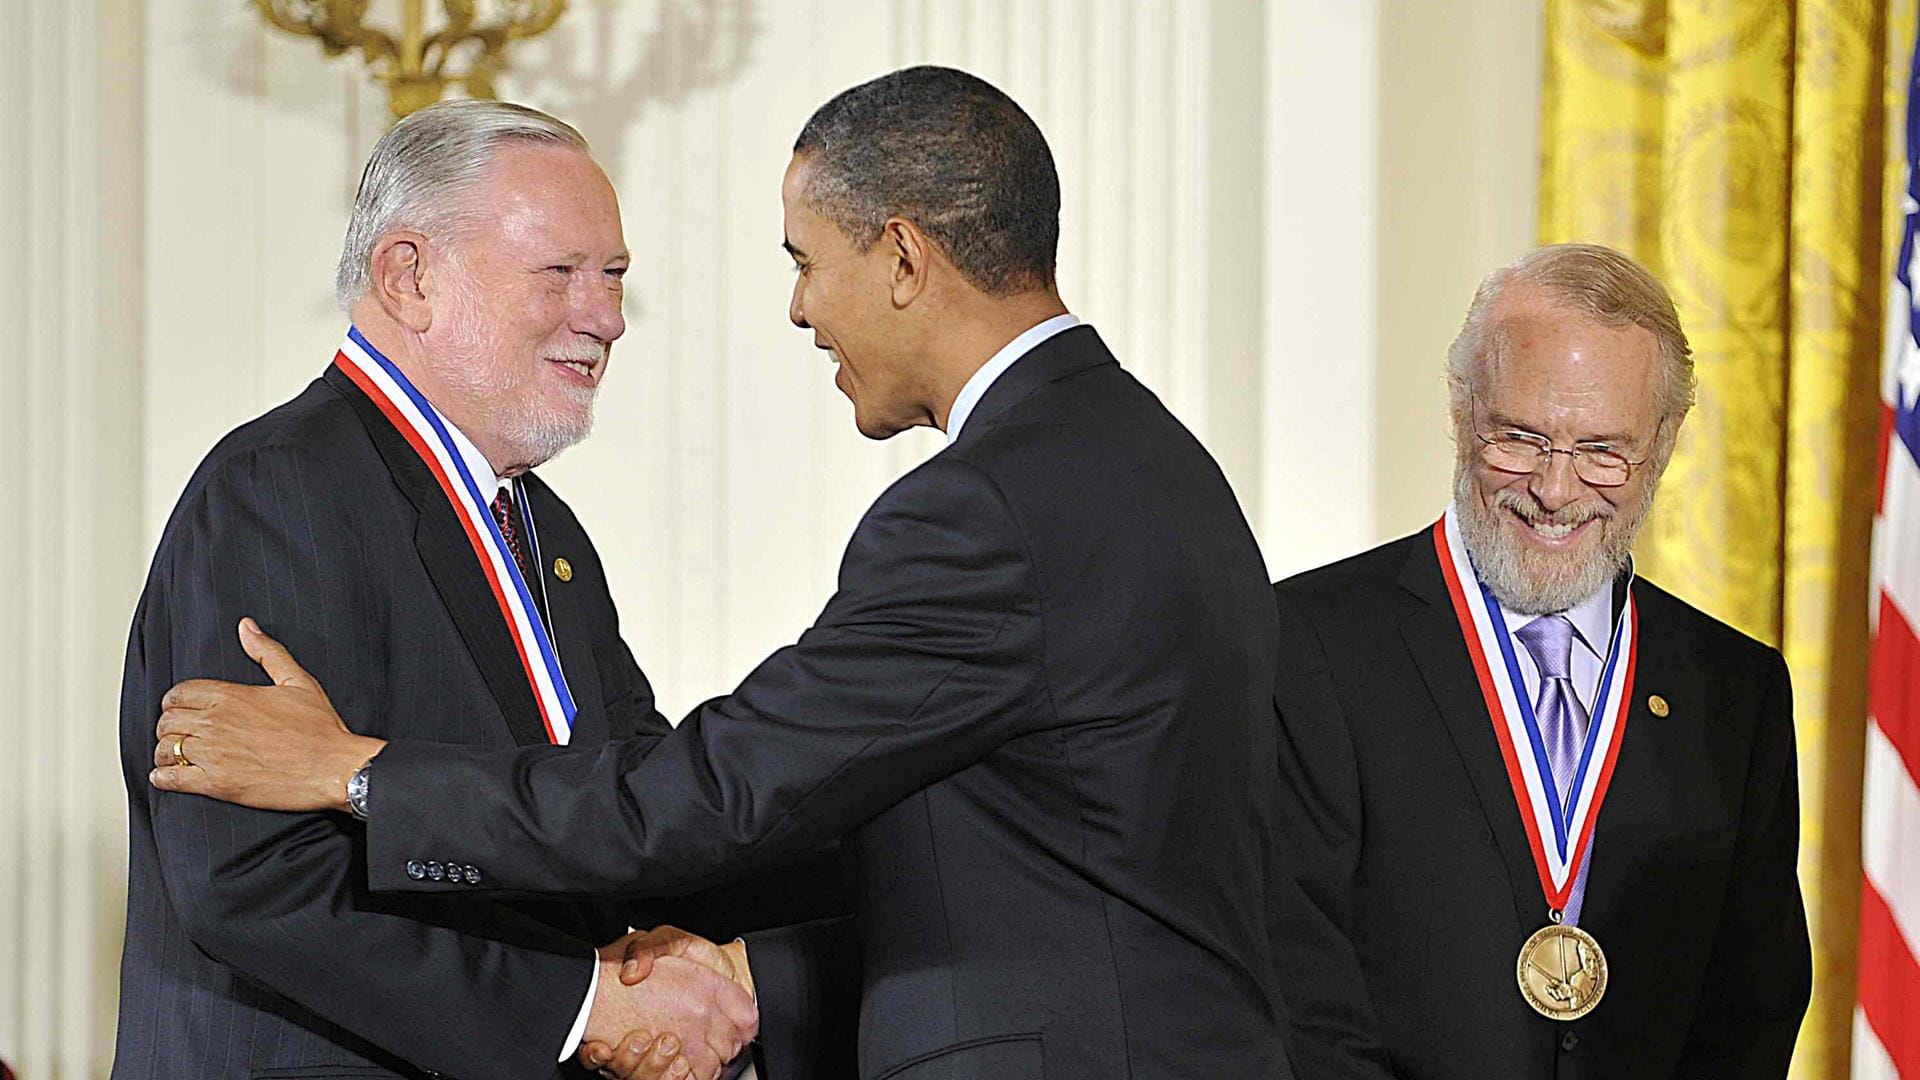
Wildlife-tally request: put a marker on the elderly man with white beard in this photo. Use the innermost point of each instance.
(1538, 815)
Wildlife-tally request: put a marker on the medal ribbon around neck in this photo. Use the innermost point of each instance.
(426, 431)
(1559, 825)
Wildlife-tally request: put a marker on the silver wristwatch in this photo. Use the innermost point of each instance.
(357, 791)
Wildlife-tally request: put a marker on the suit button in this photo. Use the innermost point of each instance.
(473, 875)
(1569, 1041)
(416, 869)
(436, 871)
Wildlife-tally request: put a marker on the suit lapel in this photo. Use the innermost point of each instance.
(448, 557)
(1653, 757)
(1433, 636)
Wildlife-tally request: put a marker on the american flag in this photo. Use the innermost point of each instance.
(1887, 1021)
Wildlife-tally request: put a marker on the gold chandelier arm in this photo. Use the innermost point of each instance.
(525, 19)
(460, 15)
(532, 18)
(337, 24)
(417, 66)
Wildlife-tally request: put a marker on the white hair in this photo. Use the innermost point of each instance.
(422, 170)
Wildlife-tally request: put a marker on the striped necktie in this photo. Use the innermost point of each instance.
(1562, 719)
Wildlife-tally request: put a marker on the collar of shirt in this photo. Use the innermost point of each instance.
(976, 387)
(476, 462)
(1592, 621)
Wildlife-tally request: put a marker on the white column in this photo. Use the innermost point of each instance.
(1321, 292)
(70, 425)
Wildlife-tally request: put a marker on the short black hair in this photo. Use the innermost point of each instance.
(949, 152)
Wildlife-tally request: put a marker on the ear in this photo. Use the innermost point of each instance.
(399, 279)
(910, 254)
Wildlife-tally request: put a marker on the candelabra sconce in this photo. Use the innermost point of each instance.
(420, 64)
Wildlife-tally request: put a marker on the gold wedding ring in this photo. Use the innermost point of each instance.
(180, 750)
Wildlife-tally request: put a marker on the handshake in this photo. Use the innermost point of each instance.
(669, 1006)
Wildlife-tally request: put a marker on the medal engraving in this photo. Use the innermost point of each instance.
(1562, 972)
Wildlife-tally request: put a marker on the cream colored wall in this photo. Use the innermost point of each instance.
(1459, 146)
(1274, 213)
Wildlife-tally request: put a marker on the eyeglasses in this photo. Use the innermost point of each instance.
(1596, 463)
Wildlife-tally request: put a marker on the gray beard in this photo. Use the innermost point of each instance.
(535, 435)
(1537, 583)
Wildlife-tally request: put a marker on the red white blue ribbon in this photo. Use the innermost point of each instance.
(1559, 824)
(426, 431)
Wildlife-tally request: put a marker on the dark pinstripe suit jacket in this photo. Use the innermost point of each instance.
(252, 945)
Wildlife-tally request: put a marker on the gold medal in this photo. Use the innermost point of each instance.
(1562, 972)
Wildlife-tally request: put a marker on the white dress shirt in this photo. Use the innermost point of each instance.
(477, 464)
(976, 387)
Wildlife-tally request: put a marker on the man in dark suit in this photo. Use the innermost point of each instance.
(1542, 813)
(1037, 708)
(252, 946)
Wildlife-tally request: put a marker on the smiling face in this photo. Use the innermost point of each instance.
(1545, 540)
(530, 305)
(844, 295)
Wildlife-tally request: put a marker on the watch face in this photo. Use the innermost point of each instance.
(357, 792)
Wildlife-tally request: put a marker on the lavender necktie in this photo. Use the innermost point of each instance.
(1562, 719)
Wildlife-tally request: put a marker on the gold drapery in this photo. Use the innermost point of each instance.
(1739, 149)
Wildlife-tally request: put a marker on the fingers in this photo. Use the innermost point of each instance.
(638, 963)
(273, 657)
(173, 749)
(644, 1057)
(703, 952)
(182, 778)
(195, 694)
(641, 947)
(740, 969)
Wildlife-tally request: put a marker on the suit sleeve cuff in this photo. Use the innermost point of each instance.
(579, 1032)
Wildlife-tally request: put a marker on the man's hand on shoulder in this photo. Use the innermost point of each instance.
(278, 747)
(668, 1005)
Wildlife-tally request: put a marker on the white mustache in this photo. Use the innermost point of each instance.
(586, 350)
(1529, 508)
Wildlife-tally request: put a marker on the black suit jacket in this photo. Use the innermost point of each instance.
(252, 944)
(1039, 708)
(1414, 885)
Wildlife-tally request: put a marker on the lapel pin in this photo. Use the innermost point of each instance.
(1657, 705)
(563, 570)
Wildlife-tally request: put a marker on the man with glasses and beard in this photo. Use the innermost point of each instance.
(1542, 814)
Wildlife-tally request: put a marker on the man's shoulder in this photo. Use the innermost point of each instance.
(1357, 580)
(1666, 618)
(318, 422)
(317, 436)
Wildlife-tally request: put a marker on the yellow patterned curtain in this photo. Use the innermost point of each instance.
(1739, 148)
